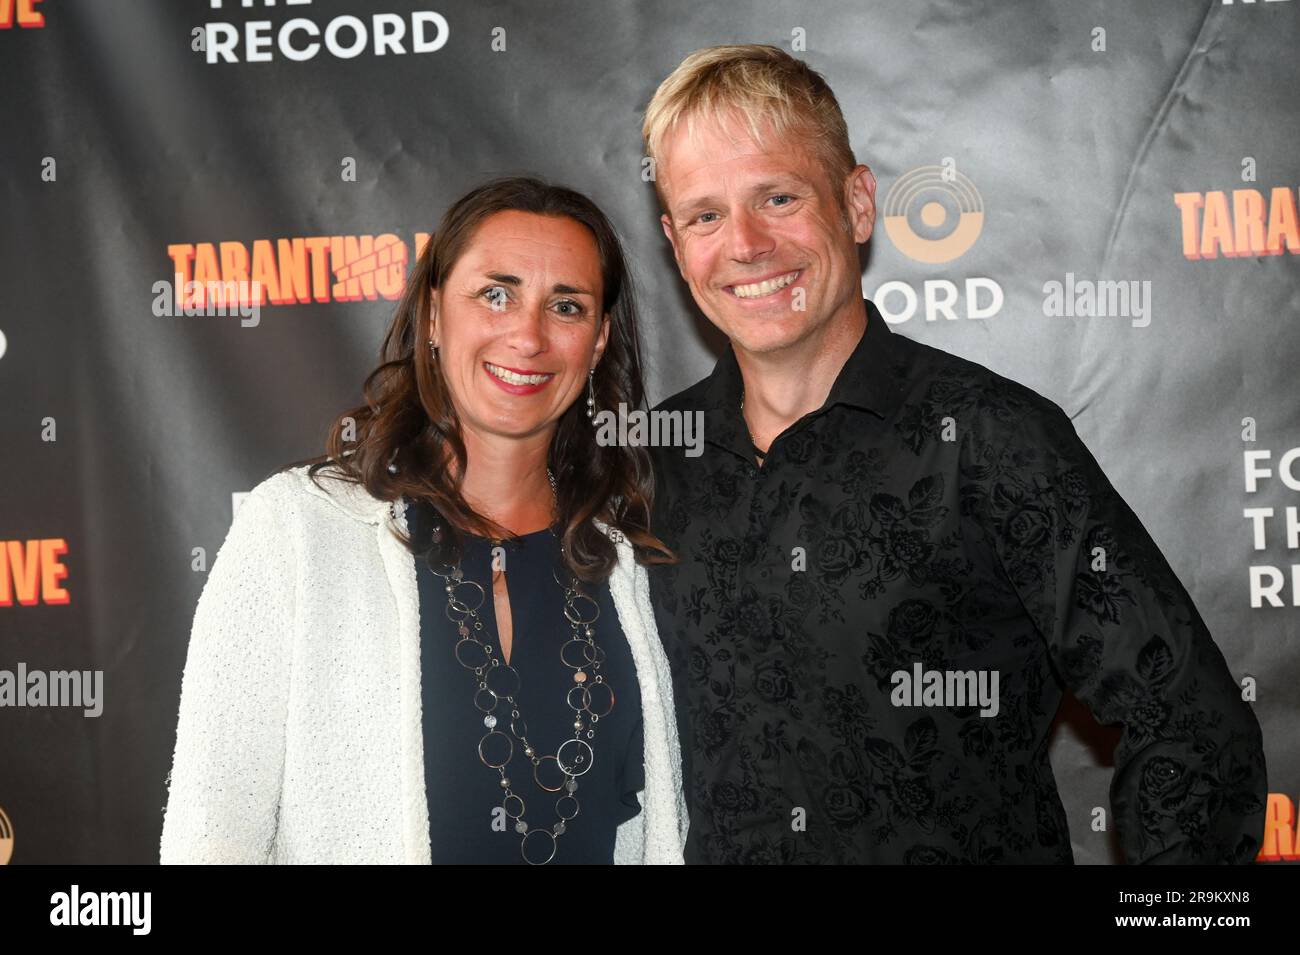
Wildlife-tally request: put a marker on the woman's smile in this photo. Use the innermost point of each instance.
(515, 381)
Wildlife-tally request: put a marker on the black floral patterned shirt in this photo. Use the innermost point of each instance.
(932, 518)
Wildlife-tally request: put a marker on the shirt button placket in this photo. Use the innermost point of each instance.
(756, 534)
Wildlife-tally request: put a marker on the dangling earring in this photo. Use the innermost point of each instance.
(433, 323)
(591, 396)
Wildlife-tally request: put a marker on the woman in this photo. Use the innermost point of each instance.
(435, 642)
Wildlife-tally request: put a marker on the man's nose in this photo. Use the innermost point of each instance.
(748, 237)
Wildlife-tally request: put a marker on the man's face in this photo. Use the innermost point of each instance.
(759, 233)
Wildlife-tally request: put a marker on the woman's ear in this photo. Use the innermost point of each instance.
(602, 338)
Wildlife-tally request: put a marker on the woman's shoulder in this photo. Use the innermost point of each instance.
(329, 487)
(626, 560)
(628, 581)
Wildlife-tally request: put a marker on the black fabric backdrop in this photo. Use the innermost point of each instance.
(127, 435)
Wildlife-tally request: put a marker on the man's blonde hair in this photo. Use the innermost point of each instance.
(763, 84)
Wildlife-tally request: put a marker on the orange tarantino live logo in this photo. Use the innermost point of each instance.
(21, 13)
(1281, 837)
(1241, 224)
(293, 270)
(6, 839)
(31, 572)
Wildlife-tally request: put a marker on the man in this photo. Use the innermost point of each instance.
(895, 560)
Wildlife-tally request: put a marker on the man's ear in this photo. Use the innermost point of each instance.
(860, 202)
(667, 223)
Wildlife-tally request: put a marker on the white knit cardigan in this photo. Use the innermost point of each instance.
(299, 738)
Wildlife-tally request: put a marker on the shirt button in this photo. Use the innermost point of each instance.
(764, 573)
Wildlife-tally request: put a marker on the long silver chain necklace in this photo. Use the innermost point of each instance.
(497, 682)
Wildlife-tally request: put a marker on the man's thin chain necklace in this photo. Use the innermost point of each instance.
(757, 450)
(499, 682)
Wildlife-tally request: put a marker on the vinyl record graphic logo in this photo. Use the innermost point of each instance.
(933, 214)
(6, 839)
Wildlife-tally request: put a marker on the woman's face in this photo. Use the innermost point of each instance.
(518, 323)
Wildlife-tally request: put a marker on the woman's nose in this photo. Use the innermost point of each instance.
(527, 333)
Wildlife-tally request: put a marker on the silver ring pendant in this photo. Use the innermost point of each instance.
(600, 699)
(573, 615)
(543, 850)
(508, 806)
(463, 606)
(503, 680)
(509, 744)
(538, 770)
(566, 807)
(578, 759)
(466, 655)
(558, 566)
(584, 698)
(573, 654)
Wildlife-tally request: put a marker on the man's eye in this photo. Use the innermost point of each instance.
(782, 196)
(703, 217)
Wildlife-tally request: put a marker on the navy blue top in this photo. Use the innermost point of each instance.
(463, 792)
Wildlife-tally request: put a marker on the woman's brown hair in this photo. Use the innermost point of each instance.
(408, 420)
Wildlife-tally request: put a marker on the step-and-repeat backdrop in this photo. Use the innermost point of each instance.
(1095, 199)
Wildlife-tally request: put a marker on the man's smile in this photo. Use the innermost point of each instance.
(764, 287)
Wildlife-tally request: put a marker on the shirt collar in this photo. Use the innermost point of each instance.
(867, 381)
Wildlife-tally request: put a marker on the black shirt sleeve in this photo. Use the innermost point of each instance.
(1189, 784)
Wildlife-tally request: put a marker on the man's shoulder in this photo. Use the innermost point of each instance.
(940, 380)
(937, 381)
(688, 399)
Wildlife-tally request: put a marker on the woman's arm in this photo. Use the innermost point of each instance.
(225, 782)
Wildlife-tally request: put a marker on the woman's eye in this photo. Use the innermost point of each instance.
(783, 196)
(575, 309)
(496, 296)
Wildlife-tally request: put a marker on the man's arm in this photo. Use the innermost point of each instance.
(1189, 783)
